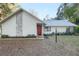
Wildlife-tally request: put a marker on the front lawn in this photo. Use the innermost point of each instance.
(66, 46)
(68, 39)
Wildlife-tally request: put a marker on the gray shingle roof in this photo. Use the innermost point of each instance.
(51, 22)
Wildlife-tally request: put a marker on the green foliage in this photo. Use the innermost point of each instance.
(77, 29)
(69, 12)
(5, 7)
(5, 10)
(4, 36)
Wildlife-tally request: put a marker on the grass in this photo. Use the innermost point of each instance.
(66, 45)
(73, 40)
(70, 42)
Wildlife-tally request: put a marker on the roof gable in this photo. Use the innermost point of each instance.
(15, 12)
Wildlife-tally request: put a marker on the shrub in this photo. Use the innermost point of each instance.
(31, 36)
(4, 36)
(49, 34)
(67, 33)
(77, 29)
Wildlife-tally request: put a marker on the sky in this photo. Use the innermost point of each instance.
(42, 9)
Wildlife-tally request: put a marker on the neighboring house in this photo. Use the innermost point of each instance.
(59, 26)
(21, 23)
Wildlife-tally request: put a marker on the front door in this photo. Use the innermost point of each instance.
(39, 29)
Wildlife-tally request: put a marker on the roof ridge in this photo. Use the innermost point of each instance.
(16, 12)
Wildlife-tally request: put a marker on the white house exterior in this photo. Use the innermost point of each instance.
(21, 23)
(59, 26)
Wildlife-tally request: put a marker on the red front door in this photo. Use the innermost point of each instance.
(39, 29)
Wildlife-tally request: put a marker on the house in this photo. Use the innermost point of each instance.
(59, 26)
(21, 23)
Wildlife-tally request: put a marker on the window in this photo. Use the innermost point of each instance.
(48, 28)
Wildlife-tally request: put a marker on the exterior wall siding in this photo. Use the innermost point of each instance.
(71, 29)
(21, 24)
(9, 27)
(59, 30)
(29, 24)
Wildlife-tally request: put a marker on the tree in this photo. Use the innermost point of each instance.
(5, 9)
(68, 11)
(60, 11)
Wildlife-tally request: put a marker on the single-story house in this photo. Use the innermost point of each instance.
(21, 23)
(59, 26)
